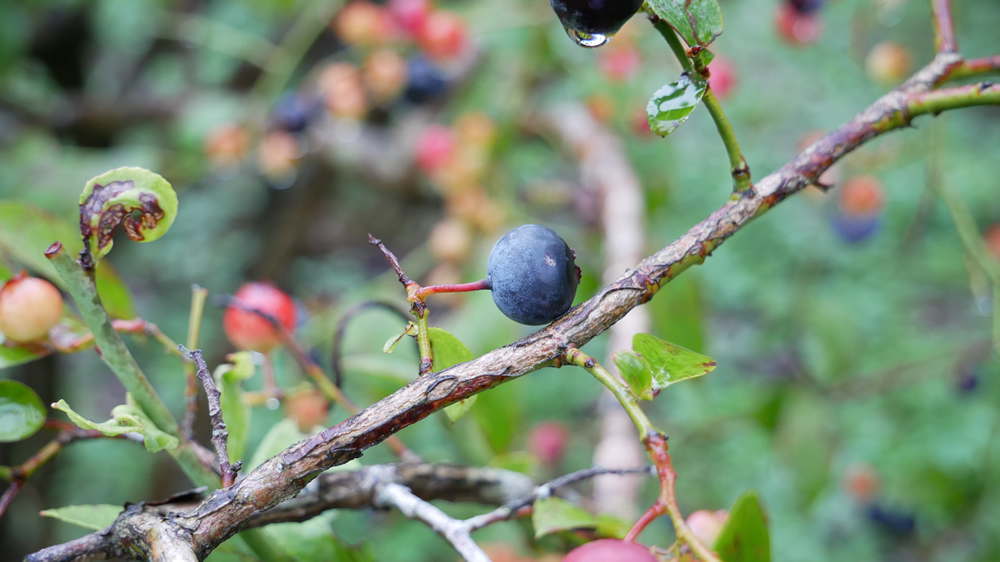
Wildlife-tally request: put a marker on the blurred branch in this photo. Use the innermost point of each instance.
(222, 38)
(452, 530)
(944, 27)
(975, 67)
(286, 474)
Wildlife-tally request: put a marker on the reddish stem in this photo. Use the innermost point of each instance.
(481, 285)
(656, 510)
(944, 27)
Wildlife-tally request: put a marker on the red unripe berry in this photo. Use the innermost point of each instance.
(992, 238)
(861, 482)
(861, 195)
(434, 148)
(29, 308)
(610, 550)
(797, 28)
(410, 15)
(248, 330)
(443, 36)
(888, 63)
(548, 442)
(723, 77)
(706, 525)
(308, 408)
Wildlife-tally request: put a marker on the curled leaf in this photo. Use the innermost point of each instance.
(139, 200)
(126, 418)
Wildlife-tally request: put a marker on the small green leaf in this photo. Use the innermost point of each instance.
(236, 412)
(744, 536)
(636, 373)
(390, 344)
(699, 22)
(554, 514)
(11, 356)
(672, 104)
(278, 438)
(448, 352)
(26, 231)
(21, 411)
(126, 418)
(94, 517)
(314, 540)
(670, 363)
(115, 197)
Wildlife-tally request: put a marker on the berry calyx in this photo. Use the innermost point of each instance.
(533, 275)
(29, 308)
(248, 330)
(610, 550)
(595, 16)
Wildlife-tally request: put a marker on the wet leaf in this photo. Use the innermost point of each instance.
(126, 418)
(94, 517)
(21, 411)
(26, 231)
(236, 412)
(448, 352)
(636, 373)
(672, 104)
(139, 200)
(744, 536)
(699, 22)
(554, 514)
(670, 363)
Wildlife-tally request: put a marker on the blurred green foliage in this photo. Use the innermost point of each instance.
(835, 359)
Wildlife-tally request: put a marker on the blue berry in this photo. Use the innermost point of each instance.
(425, 82)
(855, 228)
(595, 16)
(533, 275)
(293, 113)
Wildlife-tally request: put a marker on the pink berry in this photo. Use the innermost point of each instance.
(443, 36)
(248, 330)
(723, 77)
(548, 442)
(795, 27)
(706, 525)
(435, 148)
(610, 550)
(410, 15)
(29, 308)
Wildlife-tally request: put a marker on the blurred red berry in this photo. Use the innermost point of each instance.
(364, 24)
(795, 27)
(548, 442)
(888, 63)
(443, 36)
(277, 153)
(248, 330)
(601, 107)
(992, 238)
(861, 195)
(308, 408)
(706, 525)
(619, 64)
(861, 482)
(610, 550)
(410, 15)
(29, 308)
(385, 74)
(723, 77)
(227, 144)
(434, 148)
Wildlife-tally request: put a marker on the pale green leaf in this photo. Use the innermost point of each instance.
(554, 514)
(670, 363)
(636, 372)
(391, 343)
(126, 418)
(236, 412)
(699, 22)
(448, 352)
(94, 517)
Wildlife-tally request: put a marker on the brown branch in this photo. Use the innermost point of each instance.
(223, 513)
(220, 435)
(944, 27)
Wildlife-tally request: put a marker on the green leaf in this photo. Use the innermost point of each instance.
(391, 343)
(670, 363)
(699, 22)
(278, 438)
(636, 373)
(25, 233)
(21, 411)
(517, 461)
(677, 312)
(11, 356)
(113, 198)
(448, 352)
(314, 540)
(744, 536)
(126, 418)
(554, 514)
(236, 412)
(672, 104)
(94, 517)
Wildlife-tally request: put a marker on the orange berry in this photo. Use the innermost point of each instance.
(861, 482)
(227, 144)
(385, 74)
(706, 525)
(888, 63)
(277, 153)
(450, 240)
(29, 308)
(861, 195)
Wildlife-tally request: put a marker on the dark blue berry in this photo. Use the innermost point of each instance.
(293, 113)
(855, 228)
(425, 81)
(595, 16)
(805, 7)
(533, 275)
(893, 521)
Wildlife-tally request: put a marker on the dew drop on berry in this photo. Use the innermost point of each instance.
(588, 40)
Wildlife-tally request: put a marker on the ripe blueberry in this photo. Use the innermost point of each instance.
(426, 83)
(595, 16)
(533, 275)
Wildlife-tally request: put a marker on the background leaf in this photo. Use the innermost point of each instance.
(744, 537)
(11, 356)
(95, 517)
(672, 104)
(448, 352)
(21, 411)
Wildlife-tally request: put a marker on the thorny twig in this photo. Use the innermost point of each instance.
(219, 433)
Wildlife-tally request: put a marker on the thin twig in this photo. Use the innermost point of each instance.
(220, 435)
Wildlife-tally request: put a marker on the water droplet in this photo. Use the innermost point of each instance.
(588, 40)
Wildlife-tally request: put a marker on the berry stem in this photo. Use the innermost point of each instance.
(738, 165)
(481, 285)
(670, 36)
(656, 447)
(424, 341)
